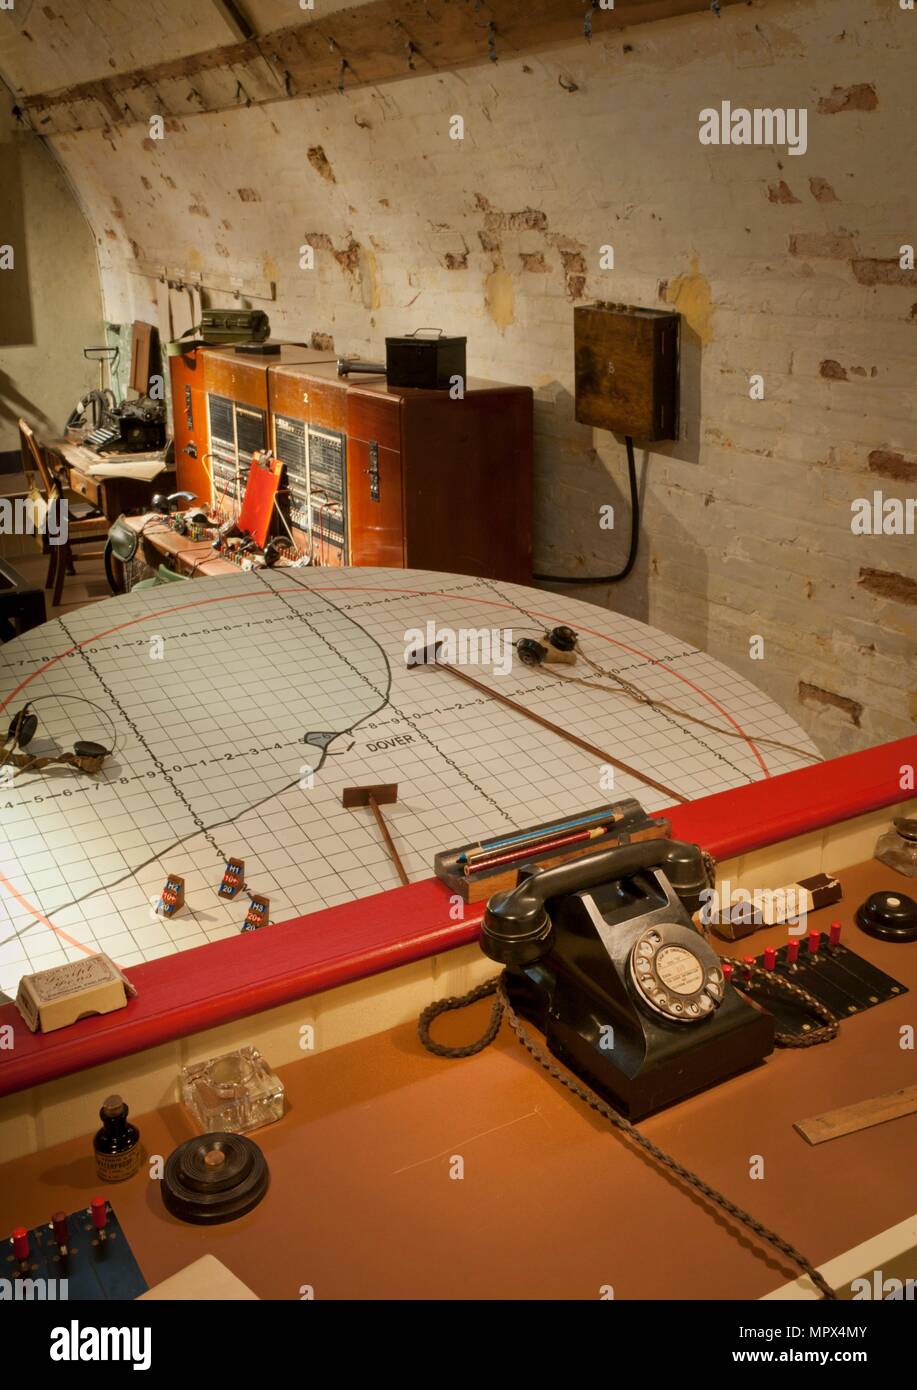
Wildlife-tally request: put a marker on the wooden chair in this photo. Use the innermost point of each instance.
(84, 522)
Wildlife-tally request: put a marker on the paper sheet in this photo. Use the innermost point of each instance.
(143, 470)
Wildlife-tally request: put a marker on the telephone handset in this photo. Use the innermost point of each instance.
(601, 954)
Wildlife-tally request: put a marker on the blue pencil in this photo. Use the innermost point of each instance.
(487, 846)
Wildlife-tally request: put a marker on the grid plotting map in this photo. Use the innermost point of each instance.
(239, 708)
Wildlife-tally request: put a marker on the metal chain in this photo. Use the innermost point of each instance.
(589, 1097)
(757, 973)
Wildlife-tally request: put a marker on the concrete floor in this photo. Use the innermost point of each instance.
(88, 585)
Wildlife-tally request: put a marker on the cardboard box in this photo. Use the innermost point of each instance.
(55, 998)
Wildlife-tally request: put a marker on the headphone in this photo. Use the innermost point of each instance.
(87, 756)
(274, 550)
(559, 639)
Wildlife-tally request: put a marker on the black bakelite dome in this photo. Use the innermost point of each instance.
(890, 916)
(214, 1178)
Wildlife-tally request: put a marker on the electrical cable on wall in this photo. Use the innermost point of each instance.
(634, 536)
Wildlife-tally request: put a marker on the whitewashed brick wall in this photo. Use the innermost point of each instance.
(785, 266)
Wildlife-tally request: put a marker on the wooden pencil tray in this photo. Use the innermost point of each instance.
(628, 820)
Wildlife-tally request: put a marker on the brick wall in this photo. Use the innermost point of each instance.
(50, 305)
(784, 266)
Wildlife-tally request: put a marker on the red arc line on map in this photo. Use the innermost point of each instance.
(336, 589)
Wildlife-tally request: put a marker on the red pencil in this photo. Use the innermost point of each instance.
(536, 847)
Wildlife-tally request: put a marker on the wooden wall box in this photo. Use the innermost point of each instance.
(626, 369)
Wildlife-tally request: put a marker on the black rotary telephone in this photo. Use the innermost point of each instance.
(601, 954)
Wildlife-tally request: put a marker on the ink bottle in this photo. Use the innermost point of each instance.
(117, 1144)
(898, 847)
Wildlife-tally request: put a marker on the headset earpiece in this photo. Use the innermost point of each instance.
(22, 727)
(84, 748)
(87, 755)
(563, 638)
(532, 653)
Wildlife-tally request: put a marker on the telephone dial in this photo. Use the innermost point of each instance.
(602, 956)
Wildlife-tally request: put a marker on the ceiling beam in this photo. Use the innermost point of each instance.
(383, 41)
(236, 19)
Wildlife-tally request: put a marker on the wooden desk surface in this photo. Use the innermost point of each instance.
(195, 558)
(112, 494)
(553, 1204)
(78, 455)
(188, 556)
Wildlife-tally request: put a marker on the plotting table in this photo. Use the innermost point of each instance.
(240, 707)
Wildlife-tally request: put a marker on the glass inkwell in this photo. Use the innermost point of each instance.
(232, 1093)
(898, 847)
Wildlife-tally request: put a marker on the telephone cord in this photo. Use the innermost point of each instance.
(589, 1097)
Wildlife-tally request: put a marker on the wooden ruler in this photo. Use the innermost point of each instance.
(833, 1124)
(429, 658)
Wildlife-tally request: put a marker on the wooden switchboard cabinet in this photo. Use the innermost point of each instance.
(372, 476)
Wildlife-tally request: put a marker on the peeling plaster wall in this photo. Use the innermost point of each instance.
(782, 266)
(50, 301)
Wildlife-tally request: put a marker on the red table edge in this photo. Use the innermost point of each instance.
(200, 988)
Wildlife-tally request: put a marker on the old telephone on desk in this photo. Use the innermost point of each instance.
(602, 956)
